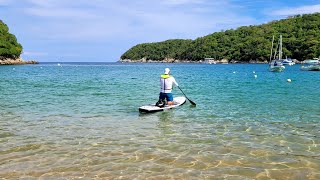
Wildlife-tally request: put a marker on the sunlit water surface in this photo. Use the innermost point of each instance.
(81, 120)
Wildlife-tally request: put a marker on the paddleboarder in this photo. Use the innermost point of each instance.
(166, 84)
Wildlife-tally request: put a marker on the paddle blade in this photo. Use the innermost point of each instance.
(192, 102)
(187, 97)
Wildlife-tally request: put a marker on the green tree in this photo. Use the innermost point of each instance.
(9, 47)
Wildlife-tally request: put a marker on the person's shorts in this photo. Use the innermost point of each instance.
(167, 96)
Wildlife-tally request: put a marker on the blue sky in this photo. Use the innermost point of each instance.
(102, 30)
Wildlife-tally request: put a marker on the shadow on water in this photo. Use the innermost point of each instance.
(166, 123)
(162, 115)
(192, 106)
(165, 116)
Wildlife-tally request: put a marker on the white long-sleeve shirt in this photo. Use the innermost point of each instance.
(166, 82)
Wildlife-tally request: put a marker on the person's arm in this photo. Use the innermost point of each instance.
(174, 81)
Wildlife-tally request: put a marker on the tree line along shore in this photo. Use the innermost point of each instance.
(10, 49)
(246, 44)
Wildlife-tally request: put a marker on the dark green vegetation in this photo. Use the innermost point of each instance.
(9, 47)
(301, 40)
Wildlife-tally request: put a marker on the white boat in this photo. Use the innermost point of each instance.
(287, 61)
(311, 65)
(209, 61)
(275, 64)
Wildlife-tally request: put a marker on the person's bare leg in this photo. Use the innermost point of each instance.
(170, 103)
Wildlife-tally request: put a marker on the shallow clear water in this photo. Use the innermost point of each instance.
(81, 120)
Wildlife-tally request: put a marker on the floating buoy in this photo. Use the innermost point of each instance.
(234, 72)
(255, 76)
(59, 64)
(254, 72)
(289, 80)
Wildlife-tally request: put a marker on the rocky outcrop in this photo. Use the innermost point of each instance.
(8, 61)
(223, 61)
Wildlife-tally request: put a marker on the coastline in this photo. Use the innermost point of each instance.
(222, 61)
(18, 61)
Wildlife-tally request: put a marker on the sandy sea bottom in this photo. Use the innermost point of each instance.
(81, 121)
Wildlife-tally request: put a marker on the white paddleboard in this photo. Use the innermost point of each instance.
(178, 101)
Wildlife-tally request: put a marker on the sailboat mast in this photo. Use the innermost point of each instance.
(280, 49)
(276, 51)
(271, 48)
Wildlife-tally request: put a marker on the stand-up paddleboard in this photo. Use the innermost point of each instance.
(178, 101)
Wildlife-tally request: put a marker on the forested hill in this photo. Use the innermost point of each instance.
(9, 47)
(300, 36)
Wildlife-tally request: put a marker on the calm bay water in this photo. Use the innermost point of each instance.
(81, 120)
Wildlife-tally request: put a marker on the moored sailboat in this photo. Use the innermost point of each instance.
(275, 64)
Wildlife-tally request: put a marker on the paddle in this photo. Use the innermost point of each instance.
(187, 97)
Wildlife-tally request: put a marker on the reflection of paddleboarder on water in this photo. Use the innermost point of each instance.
(166, 83)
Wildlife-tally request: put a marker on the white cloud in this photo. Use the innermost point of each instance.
(182, 2)
(4, 2)
(29, 53)
(59, 9)
(60, 13)
(297, 10)
(141, 19)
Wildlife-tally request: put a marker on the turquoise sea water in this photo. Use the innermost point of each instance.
(81, 120)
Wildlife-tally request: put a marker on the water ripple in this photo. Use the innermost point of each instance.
(81, 121)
